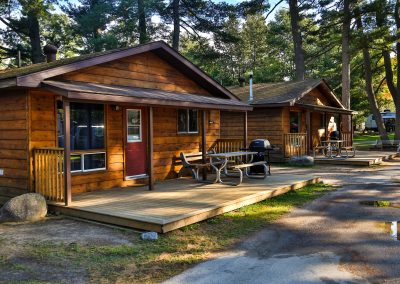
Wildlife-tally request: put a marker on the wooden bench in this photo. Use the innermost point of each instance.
(246, 166)
(318, 148)
(347, 149)
(192, 162)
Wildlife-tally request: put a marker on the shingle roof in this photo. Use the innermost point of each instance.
(275, 93)
(15, 72)
(144, 95)
(32, 76)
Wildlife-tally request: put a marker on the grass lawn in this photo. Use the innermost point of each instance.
(154, 261)
(365, 138)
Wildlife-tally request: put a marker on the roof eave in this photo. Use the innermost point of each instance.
(271, 105)
(88, 96)
(7, 83)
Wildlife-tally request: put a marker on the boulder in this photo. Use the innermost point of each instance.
(149, 236)
(302, 161)
(26, 207)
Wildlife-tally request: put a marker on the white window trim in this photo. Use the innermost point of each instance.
(140, 126)
(82, 170)
(189, 132)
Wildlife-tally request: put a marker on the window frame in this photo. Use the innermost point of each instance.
(188, 121)
(140, 126)
(82, 155)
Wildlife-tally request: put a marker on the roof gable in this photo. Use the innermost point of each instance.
(33, 76)
(145, 70)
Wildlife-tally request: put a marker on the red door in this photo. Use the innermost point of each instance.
(136, 142)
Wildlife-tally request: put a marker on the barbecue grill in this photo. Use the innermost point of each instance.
(262, 147)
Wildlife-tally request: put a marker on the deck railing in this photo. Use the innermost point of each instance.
(223, 145)
(295, 144)
(48, 170)
(347, 138)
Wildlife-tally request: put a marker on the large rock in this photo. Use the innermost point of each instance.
(26, 207)
(302, 161)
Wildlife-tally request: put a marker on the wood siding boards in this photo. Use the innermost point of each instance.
(262, 123)
(144, 70)
(14, 142)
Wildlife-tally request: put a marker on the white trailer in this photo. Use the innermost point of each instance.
(388, 119)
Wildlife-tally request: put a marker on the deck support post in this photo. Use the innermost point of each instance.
(204, 142)
(326, 125)
(150, 164)
(309, 131)
(67, 153)
(245, 130)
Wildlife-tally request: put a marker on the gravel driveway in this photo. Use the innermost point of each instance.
(331, 240)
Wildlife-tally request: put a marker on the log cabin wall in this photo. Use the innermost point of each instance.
(43, 124)
(145, 70)
(13, 143)
(263, 123)
(167, 142)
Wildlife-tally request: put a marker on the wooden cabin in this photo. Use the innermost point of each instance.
(112, 119)
(294, 116)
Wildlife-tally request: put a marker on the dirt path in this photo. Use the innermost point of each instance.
(331, 240)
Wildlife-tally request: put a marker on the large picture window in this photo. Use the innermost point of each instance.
(188, 121)
(87, 136)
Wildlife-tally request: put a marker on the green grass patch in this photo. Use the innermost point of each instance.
(365, 138)
(154, 261)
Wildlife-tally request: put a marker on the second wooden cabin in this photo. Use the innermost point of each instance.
(294, 116)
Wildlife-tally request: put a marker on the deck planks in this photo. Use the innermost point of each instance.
(176, 203)
(362, 158)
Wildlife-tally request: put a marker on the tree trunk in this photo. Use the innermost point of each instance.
(346, 62)
(176, 17)
(397, 19)
(368, 84)
(143, 38)
(381, 14)
(297, 40)
(34, 37)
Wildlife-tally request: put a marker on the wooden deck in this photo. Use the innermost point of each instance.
(362, 158)
(176, 203)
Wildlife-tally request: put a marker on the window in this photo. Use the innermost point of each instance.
(87, 134)
(134, 122)
(295, 118)
(87, 162)
(188, 121)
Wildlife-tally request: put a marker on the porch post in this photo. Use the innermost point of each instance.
(351, 128)
(245, 130)
(67, 154)
(308, 125)
(150, 164)
(204, 142)
(326, 126)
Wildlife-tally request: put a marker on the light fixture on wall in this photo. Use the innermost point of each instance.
(211, 122)
(115, 107)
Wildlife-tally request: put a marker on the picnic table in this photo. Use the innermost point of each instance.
(220, 161)
(332, 146)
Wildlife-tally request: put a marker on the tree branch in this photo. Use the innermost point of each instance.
(273, 8)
